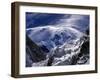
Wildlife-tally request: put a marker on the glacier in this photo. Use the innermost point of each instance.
(56, 46)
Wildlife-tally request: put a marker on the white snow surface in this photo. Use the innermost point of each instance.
(62, 42)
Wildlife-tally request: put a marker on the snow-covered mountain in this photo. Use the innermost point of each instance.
(52, 37)
(63, 45)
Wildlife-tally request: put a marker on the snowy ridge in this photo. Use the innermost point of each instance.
(45, 35)
(64, 44)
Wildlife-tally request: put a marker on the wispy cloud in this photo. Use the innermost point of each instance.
(76, 21)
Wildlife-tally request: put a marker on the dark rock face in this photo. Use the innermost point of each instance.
(83, 57)
(44, 48)
(85, 48)
(34, 53)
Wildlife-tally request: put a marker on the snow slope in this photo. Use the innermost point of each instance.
(62, 44)
(53, 36)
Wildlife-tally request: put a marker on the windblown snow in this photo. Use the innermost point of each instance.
(62, 45)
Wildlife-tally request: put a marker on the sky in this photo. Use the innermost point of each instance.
(78, 21)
